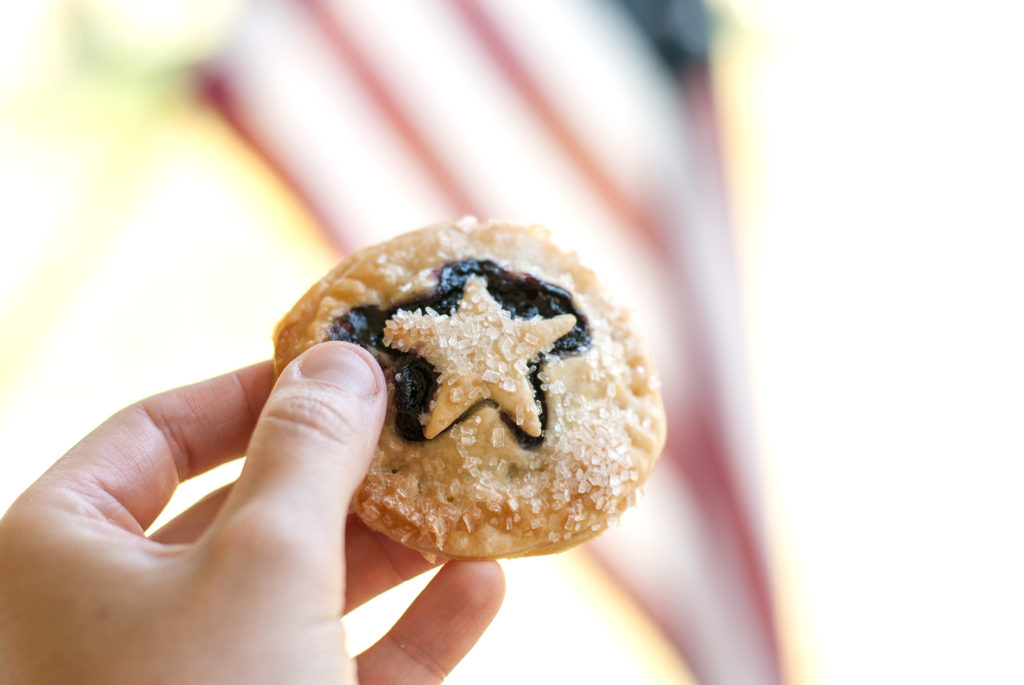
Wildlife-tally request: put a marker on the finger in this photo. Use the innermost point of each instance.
(189, 525)
(376, 563)
(309, 451)
(439, 628)
(129, 467)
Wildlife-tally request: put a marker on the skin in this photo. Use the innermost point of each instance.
(249, 584)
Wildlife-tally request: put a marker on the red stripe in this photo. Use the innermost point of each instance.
(705, 460)
(215, 88)
(697, 441)
(348, 52)
(697, 99)
(701, 106)
(706, 466)
(485, 29)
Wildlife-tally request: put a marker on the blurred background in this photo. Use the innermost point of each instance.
(813, 208)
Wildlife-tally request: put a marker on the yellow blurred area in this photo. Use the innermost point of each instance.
(146, 248)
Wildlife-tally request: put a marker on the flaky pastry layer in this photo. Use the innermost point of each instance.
(475, 491)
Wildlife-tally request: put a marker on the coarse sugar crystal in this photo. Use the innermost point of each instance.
(505, 347)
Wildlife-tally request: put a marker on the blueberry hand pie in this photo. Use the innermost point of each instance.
(523, 409)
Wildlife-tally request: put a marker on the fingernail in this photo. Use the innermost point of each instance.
(340, 365)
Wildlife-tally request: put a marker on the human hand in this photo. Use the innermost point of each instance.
(247, 586)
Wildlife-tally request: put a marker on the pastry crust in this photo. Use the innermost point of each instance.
(483, 487)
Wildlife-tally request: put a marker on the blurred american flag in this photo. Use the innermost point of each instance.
(598, 120)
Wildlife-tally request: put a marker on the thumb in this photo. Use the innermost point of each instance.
(312, 444)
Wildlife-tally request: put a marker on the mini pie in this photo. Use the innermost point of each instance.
(523, 409)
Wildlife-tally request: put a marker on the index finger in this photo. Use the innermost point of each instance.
(129, 467)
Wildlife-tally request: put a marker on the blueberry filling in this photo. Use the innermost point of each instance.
(526, 440)
(415, 379)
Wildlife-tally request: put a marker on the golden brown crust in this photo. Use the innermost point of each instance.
(473, 491)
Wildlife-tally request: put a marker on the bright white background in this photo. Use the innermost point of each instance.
(877, 156)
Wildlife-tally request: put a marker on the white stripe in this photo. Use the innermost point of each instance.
(314, 114)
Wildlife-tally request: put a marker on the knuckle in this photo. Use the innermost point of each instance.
(318, 415)
(419, 658)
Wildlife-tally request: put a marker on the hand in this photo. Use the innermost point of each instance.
(247, 586)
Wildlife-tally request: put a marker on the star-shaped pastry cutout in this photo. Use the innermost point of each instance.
(481, 352)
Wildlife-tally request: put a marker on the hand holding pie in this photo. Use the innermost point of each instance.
(523, 409)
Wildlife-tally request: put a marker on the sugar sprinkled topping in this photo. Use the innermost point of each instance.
(466, 223)
(480, 369)
(476, 484)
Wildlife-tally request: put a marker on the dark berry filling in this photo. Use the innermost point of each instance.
(415, 379)
(526, 440)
